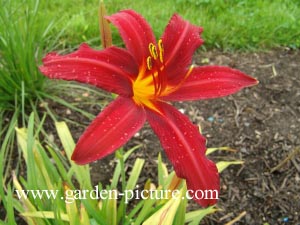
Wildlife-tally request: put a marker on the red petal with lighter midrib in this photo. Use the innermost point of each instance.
(185, 147)
(180, 40)
(111, 129)
(136, 33)
(111, 69)
(211, 82)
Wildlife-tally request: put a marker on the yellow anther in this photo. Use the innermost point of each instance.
(153, 51)
(161, 50)
(149, 63)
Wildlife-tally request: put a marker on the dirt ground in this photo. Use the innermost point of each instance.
(262, 123)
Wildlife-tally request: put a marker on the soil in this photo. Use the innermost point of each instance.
(261, 123)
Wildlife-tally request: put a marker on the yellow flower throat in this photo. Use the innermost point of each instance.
(151, 80)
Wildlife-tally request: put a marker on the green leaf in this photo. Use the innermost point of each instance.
(59, 165)
(224, 164)
(193, 218)
(10, 209)
(84, 217)
(211, 150)
(166, 214)
(117, 170)
(162, 171)
(45, 214)
(147, 209)
(133, 212)
(45, 172)
(26, 203)
(111, 209)
(22, 142)
(65, 138)
(180, 214)
(32, 182)
(71, 206)
(82, 173)
(97, 215)
(135, 173)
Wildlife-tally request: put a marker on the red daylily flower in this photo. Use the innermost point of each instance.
(145, 75)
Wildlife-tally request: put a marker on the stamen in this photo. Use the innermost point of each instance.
(155, 67)
(153, 51)
(149, 63)
(158, 85)
(161, 50)
(154, 83)
(174, 88)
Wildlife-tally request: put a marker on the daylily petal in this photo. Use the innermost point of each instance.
(207, 82)
(111, 129)
(185, 148)
(111, 69)
(180, 40)
(136, 33)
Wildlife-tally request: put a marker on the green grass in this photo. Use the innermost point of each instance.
(23, 36)
(228, 25)
(26, 33)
